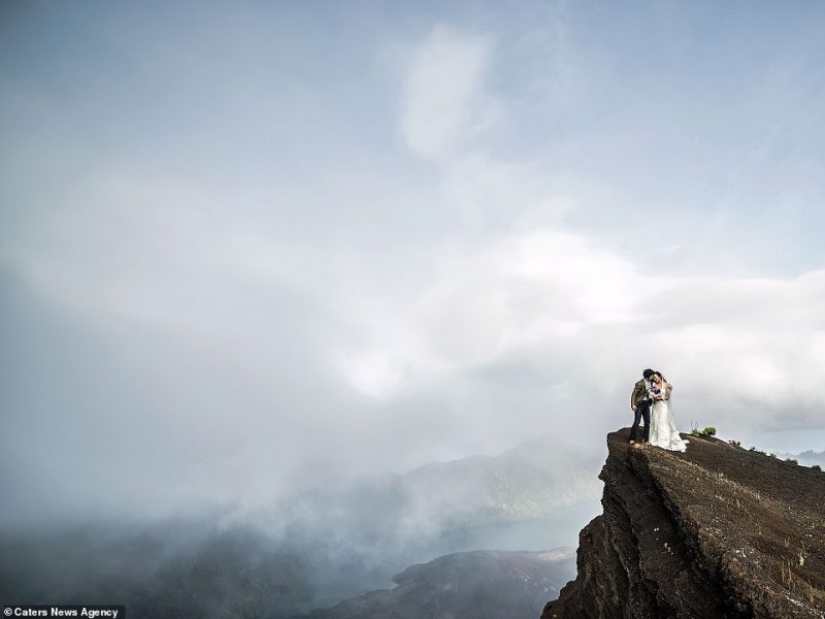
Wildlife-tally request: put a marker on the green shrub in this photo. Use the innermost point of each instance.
(816, 467)
(736, 443)
(708, 431)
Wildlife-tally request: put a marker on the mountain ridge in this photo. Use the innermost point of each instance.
(314, 549)
(479, 584)
(718, 531)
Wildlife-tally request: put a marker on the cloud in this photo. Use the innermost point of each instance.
(443, 106)
(329, 306)
(740, 349)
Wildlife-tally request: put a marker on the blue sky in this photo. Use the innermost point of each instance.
(278, 242)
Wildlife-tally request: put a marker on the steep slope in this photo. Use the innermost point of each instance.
(715, 532)
(465, 585)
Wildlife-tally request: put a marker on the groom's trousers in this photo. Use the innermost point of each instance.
(642, 412)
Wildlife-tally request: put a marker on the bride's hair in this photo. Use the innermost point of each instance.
(659, 374)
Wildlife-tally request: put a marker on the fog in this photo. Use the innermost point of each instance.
(253, 252)
(317, 547)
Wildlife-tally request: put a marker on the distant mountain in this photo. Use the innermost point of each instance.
(468, 585)
(809, 458)
(321, 547)
(532, 480)
(185, 569)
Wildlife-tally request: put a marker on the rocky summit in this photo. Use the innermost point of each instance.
(719, 531)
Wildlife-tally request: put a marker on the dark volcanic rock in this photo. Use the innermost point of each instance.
(715, 532)
(465, 585)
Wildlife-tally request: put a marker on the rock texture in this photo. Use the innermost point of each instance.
(718, 531)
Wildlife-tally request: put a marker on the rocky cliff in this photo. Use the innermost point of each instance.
(718, 531)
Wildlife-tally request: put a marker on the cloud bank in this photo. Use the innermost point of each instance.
(453, 237)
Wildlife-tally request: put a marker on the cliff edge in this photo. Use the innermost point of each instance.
(718, 531)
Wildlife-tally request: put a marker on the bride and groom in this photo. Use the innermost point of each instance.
(650, 400)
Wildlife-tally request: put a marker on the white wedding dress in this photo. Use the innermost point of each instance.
(663, 432)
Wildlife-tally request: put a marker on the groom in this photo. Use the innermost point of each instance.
(640, 404)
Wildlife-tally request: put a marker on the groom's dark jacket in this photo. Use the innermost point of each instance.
(639, 393)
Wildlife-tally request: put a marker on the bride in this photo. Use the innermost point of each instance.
(663, 432)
